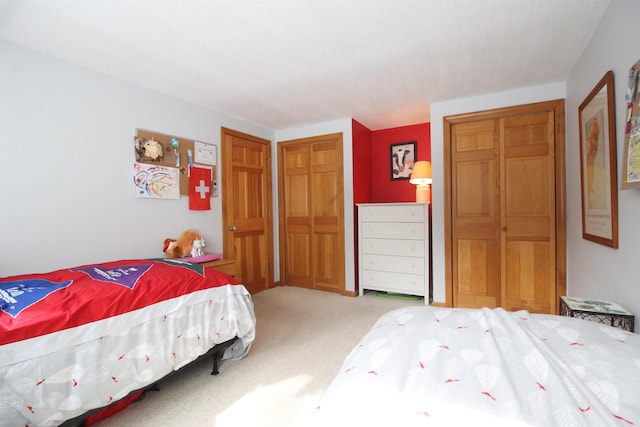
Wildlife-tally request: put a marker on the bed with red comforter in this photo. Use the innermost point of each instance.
(78, 339)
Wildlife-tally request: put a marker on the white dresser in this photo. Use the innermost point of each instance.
(393, 248)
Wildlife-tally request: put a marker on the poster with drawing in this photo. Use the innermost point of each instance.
(155, 181)
(631, 165)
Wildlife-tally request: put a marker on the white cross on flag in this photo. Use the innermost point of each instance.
(199, 189)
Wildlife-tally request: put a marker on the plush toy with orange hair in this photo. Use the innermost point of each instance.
(182, 247)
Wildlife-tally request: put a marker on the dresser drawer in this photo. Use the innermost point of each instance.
(391, 263)
(403, 230)
(414, 248)
(402, 283)
(393, 213)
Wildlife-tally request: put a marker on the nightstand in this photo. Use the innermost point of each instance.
(605, 312)
(227, 266)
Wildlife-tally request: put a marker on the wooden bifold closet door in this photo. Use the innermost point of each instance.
(505, 208)
(311, 205)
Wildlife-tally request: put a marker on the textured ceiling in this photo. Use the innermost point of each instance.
(283, 64)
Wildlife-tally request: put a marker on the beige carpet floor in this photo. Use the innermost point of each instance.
(302, 338)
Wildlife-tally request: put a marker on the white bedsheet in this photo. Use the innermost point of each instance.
(426, 366)
(47, 380)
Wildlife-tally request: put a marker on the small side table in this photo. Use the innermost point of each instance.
(227, 266)
(605, 312)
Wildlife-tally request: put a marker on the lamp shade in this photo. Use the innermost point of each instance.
(421, 174)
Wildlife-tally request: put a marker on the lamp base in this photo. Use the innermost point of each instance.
(423, 193)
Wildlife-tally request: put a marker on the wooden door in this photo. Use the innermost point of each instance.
(312, 212)
(528, 213)
(504, 208)
(247, 207)
(475, 214)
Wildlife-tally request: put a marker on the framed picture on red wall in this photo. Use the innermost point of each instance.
(403, 156)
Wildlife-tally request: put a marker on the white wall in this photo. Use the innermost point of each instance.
(65, 176)
(343, 126)
(594, 270)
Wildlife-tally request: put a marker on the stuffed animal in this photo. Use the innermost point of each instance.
(153, 150)
(182, 247)
(197, 247)
(148, 149)
(168, 245)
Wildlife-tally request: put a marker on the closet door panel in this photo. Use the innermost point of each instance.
(529, 212)
(476, 218)
(326, 265)
(298, 228)
(527, 276)
(327, 211)
(478, 273)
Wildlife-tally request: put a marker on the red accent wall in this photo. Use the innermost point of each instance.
(384, 189)
(362, 185)
(372, 164)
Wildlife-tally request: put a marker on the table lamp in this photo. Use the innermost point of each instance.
(421, 177)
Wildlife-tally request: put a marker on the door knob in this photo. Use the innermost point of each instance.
(233, 228)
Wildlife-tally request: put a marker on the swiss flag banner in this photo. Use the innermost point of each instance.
(199, 189)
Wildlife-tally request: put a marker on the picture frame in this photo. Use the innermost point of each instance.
(402, 156)
(598, 165)
(631, 154)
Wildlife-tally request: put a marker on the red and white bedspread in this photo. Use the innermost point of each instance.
(426, 366)
(78, 339)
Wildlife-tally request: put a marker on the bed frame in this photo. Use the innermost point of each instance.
(216, 353)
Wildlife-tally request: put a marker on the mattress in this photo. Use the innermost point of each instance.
(427, 366)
